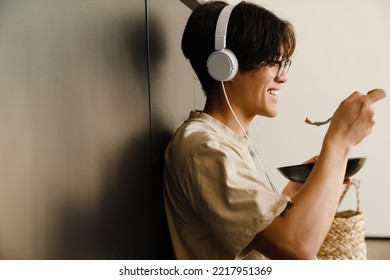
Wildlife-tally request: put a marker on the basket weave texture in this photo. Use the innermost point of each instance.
(346, 237)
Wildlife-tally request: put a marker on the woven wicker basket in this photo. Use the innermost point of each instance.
(346, 237)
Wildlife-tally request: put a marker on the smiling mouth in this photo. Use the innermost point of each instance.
(273, 92)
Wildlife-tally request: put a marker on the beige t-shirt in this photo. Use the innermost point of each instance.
(214, 199)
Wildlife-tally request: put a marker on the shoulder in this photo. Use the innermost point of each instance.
(203, 139)
(192, 137)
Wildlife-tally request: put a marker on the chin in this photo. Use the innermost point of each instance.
(268, 115)
(272, 114)
(269, 111)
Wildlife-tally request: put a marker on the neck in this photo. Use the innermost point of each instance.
(217, 107)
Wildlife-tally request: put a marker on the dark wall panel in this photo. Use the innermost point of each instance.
(75, 147)
(90, 94)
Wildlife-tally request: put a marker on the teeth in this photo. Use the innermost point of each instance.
(273, 92)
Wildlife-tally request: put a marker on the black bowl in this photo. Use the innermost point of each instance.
(299, 173)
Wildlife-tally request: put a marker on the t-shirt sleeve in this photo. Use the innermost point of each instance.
(227, 193)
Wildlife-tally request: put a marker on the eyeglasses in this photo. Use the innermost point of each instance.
(284, 66)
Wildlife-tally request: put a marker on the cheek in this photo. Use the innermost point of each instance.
(261, 92)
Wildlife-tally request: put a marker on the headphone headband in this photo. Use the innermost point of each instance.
(221, 28)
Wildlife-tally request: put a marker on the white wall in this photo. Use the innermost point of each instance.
(342, 46)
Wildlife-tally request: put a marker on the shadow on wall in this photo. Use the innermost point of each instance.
(128, 221)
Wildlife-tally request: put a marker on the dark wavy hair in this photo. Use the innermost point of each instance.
(255, 35)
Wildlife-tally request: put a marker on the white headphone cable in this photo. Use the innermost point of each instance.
(250, 142)
(262, 153)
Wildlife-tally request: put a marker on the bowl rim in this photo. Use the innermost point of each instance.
(312, 163)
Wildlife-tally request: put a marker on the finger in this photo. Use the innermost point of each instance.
(347, 181)
(375, 95)
(353, 96)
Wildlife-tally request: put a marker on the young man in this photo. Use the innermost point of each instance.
(217, 206)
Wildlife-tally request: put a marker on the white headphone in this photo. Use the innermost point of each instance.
(222, 64)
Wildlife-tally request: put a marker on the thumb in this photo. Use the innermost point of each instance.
(375, 95)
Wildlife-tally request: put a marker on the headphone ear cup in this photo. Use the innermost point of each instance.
(222, 65)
